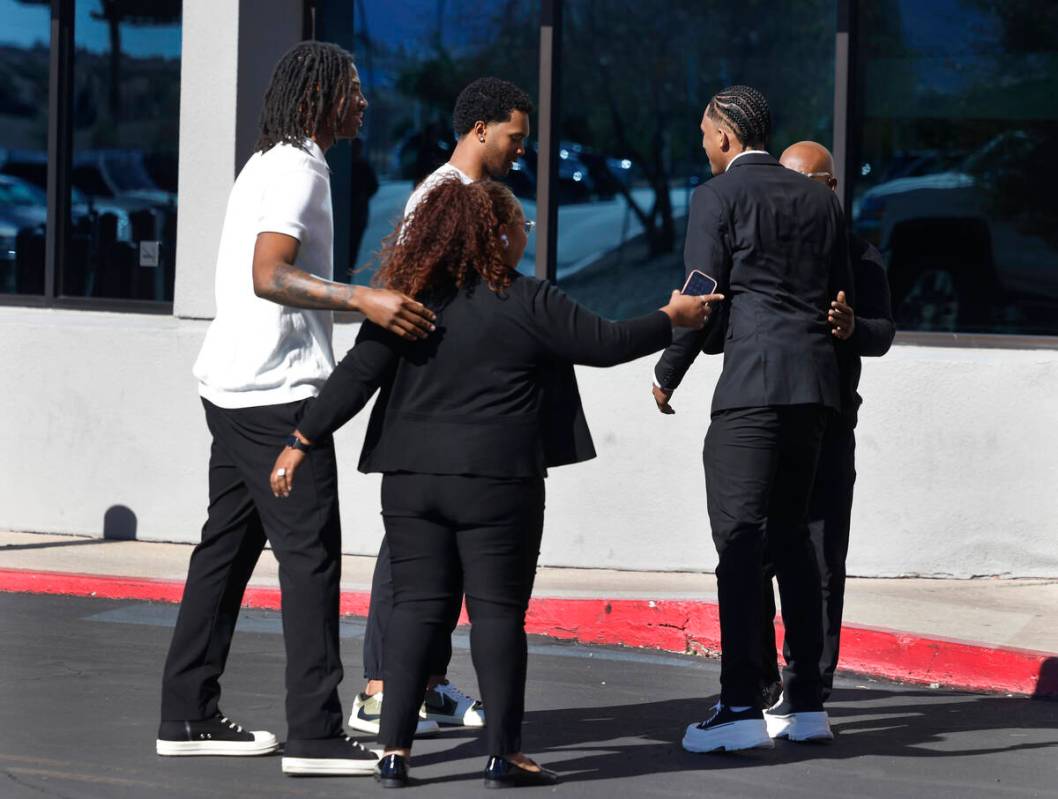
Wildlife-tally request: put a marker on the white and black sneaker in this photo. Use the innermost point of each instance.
(216, 736)
(784, 721)
(446, 704)
(341, 756)
(367, 716)
(728, 731)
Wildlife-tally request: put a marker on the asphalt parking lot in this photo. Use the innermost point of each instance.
(79, 698)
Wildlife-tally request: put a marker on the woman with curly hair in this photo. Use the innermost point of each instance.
(464, 429)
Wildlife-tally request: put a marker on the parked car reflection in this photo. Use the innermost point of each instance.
(967, 246)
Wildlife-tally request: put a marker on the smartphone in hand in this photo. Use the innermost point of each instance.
(698, 284)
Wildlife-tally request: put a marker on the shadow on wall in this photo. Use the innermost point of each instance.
(1047, 684)
(119, 524)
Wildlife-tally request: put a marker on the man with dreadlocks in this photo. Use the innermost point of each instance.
(266, 354)
(776, 244)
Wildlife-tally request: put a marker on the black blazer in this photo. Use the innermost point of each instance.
(775, 241)
(874, 330)
(491, 392)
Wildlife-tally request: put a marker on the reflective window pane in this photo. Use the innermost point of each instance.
(414, 58)
(126, 117)
(956, 151)
(635, 80)
(24, 53)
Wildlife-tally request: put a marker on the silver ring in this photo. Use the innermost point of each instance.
(281, 472)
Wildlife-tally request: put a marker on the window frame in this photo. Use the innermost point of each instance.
(59, 183)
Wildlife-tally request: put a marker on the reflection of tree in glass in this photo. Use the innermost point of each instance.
(637, 76)
(116, 13)
(412, 83)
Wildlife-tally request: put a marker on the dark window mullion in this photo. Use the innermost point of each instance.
(60, 137)
(547, 156)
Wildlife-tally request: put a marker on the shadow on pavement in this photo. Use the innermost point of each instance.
(644, 739)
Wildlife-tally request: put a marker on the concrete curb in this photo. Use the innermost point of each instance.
(669, 625)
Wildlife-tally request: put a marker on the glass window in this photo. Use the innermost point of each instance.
(956, 161)
(126, 114)
(24, 62)
(636, 78)
(414, 58)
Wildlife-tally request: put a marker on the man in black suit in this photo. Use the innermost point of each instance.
(868, 331)
(776, 244)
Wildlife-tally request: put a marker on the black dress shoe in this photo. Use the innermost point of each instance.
(502, 773)
(392, 772)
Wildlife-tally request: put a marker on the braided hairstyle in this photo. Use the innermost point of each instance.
(745, 111)
(449, 240)
(311, 80)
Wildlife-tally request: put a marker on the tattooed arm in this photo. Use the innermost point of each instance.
(276, 278)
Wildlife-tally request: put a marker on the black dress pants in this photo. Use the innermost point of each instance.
(448, 534)
(759, 470)
(381, 608)
(829, 520)
(305, 535)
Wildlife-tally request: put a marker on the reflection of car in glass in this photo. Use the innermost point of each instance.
(955, 240)
(22, 209)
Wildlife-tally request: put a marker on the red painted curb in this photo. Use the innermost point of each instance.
(670, 625)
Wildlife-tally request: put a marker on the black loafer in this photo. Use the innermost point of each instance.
(392, 772)
(502, 773)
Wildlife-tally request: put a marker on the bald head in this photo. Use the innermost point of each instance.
(810, 158)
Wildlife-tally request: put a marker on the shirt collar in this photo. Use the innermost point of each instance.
(745, 152)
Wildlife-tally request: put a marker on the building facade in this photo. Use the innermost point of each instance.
(123, 125)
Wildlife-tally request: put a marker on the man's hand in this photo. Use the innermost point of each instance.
(662, 397)
(842, 319)
(396, 312)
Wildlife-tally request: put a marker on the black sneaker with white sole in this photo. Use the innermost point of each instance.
(341, 756)
(216, 736)
(728, 731)
(802, 724)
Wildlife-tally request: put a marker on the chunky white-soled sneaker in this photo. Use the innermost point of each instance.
(367, 715)
(811, 725)
(728, 731)
(216, 736)
(341, 756)
(446, 704)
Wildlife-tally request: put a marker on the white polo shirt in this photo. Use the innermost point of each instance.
(256, 351)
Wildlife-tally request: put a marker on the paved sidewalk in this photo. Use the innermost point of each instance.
(666, 610)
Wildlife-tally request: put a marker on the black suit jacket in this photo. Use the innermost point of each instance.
(492, 392)
(775, 241)
(874, 330)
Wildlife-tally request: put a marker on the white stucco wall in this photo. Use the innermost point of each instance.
(958, 453)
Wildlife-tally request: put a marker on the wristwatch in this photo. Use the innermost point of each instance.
(294, 442)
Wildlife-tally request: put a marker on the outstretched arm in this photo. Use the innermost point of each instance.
(276, 278)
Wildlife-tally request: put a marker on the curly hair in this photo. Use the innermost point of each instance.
(449, 240)
(309, 82)
(488, 100)
(746, 112)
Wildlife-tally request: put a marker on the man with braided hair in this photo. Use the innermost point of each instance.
(265, 356)
(776, 244)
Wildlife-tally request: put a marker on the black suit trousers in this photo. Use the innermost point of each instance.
(448, 534)
(378, 614)
(305, 535)
(759, 470)
(829, 520)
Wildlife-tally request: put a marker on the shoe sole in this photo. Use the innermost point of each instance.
(737, 740)
(220, 748)
(454, 721)
(311, 766)
(800, 727)
(422, 730)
